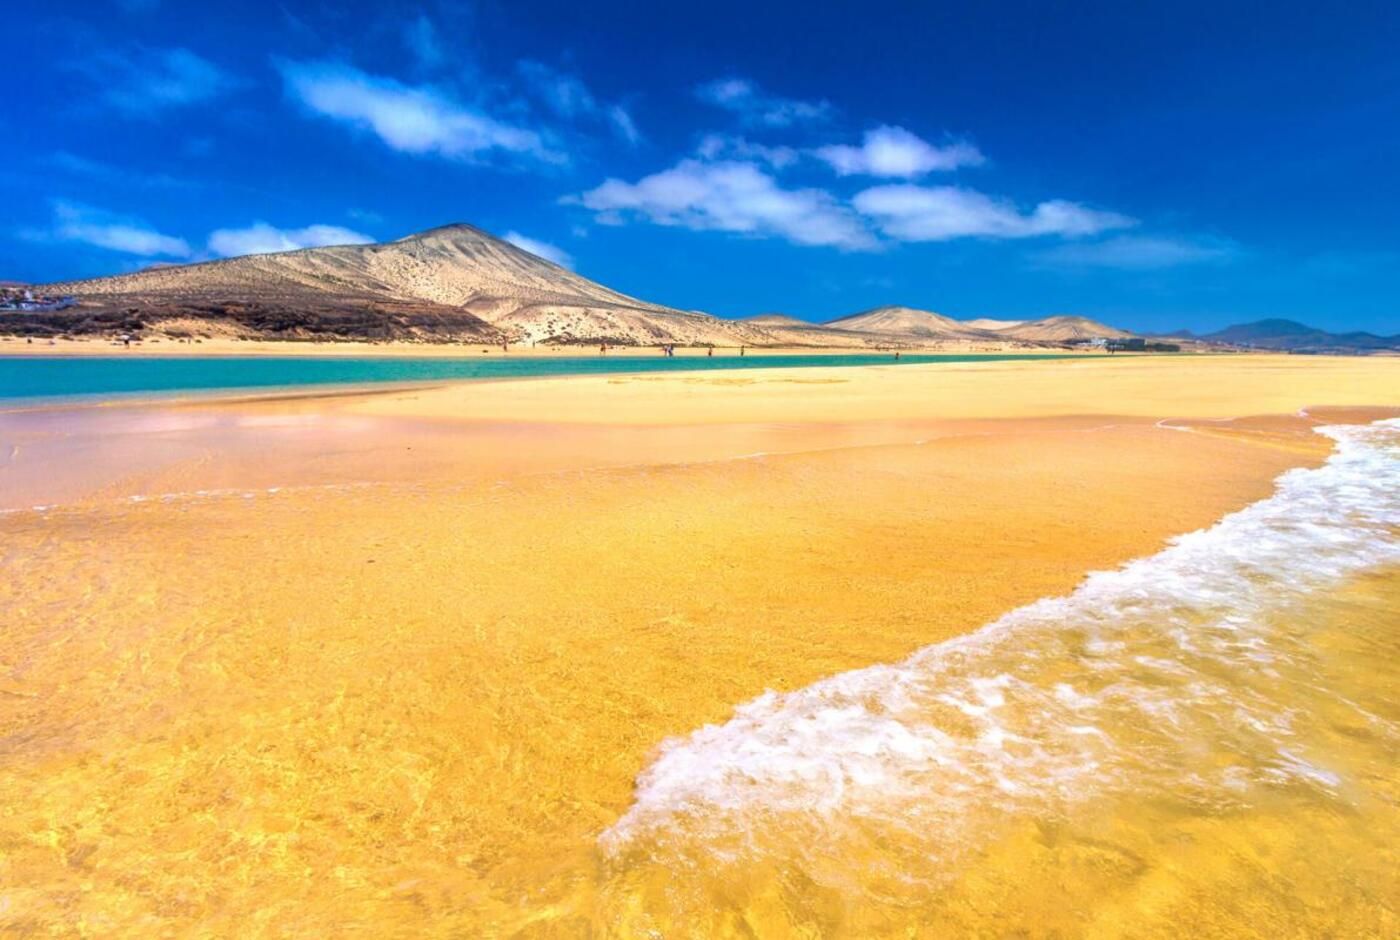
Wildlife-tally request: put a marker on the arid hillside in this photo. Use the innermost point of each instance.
(457, 283)
(450, 283)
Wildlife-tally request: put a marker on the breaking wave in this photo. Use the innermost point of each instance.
(1185, 675)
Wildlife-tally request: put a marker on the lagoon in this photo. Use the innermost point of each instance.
(33, 379)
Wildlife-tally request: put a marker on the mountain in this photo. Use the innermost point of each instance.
(450, 283)
(1061, 329)
(986, 323)
(458, 283)
(910, 325)
(776, 319)
(1298, 337)
(907, 323)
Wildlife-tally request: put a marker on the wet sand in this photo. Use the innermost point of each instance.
(397, 667)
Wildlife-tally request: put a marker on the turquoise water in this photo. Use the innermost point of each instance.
(27, 379)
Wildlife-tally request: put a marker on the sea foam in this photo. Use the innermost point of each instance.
(1179, 675)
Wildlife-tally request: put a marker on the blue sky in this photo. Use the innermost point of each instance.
(1156, 166)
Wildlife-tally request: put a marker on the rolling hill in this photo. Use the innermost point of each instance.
(1061, 329)
(776, 319)
(1291, 336)
(905, 322)
(986, 323)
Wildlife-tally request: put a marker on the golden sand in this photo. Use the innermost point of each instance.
(404, 693)
(1146, 386)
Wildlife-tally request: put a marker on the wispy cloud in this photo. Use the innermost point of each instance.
(729, 196)
(368, 216)
(906, 212)
(1137, 253)
(261, 238)
(143, 82)
(624, 125)
(566, 95)
(541, 249)
(421, 38)
(725, 146)
(77, 165)
(568, 98)
(753, 106)
(410, 119)
(896, 152)
(89, 225)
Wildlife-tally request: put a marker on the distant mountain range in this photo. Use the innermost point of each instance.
(895, 325)
(1291, 336)
(458, 283)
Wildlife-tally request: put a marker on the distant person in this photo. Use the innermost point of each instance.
(741, 350)
(711, 352)
(896, 357)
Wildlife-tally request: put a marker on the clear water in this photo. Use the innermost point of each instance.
(25, 378)
(1212, 730)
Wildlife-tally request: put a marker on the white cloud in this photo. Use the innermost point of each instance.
(142, 81)
(724, 146)
(729, 196)
(411, 119)
(753, 106)
(79, 223)
(541, 249)
(1134, 252)
(906, 212)
(421, 38)
(261, 238)
(895, 152)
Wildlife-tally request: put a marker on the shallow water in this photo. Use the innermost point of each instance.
(1205, 737)
(416, 709)
(31, 378)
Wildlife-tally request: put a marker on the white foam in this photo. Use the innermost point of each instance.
(1178, 652)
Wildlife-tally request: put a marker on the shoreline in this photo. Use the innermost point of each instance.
(447, 729)
(521, 406)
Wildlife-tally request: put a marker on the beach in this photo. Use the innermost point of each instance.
(401, 662)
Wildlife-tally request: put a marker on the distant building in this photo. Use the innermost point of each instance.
(25, 299)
